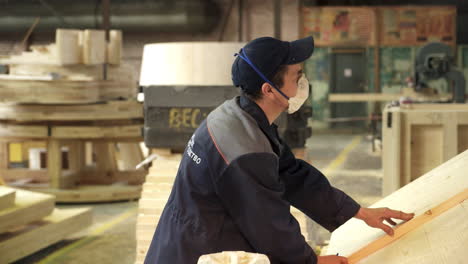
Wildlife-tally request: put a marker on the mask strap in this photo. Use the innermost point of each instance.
(244, 57)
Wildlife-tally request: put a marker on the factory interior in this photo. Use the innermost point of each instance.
(102, 104)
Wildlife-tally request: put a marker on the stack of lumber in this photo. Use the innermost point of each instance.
(437, 234)
(234, 257)
(156, 191)
(69, 70)
(62, 95)
(29, 222)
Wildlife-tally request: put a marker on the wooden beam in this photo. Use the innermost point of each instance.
(29, 207)
(408, 227)
(7, 197)
(132, 177)
(15, 131)
(94, 46)
(96, 132)
(75, 72)
(69, 46)
(32, 238)
(95, 193)
(114, 47)
(112, 110)
(54, 162)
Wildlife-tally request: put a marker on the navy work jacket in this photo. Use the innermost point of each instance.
(233, 192)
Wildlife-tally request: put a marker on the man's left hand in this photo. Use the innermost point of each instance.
(375, 217)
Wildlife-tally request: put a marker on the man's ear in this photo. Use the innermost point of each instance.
(267, 89)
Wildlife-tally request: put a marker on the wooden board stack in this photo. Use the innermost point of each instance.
(156, 191)
(69, 71)
(59, 94)
(437, 234)
(29, 222)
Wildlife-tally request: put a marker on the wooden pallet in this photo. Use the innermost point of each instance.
(418, 138)
(438, 233)
(28, 239)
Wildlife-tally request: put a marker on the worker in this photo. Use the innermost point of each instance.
(238, 179)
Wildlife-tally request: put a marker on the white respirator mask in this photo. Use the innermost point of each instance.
(302, 94)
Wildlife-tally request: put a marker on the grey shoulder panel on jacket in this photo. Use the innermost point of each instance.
(235, 132)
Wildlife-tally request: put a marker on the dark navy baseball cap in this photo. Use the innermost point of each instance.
(261, 58)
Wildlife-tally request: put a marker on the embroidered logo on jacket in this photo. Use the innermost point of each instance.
(190, 152)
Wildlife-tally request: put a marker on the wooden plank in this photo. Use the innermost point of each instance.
(94, 47)
(54, 162)
(7, 197)
(59, 225)
(28, 207)
(96, 132)
(111, 110)
(424, 193)
(15, 131)
(12, 175)
(94, 193)
(69, 46)
(114, 47)
(391, 157)
(408, 227)
(56, 91)
(132, 177)
(78, 72)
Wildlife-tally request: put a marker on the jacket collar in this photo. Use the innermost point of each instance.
(257, 113)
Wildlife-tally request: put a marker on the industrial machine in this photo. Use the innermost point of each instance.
(183, 81)
(436, 60)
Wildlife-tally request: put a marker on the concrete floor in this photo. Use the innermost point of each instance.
(346, 159)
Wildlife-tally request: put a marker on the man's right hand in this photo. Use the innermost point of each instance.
(331, 260)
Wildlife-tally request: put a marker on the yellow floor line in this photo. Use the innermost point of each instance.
(91, 236)
(341, 158)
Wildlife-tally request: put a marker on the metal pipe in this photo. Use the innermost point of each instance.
(277, 18)
(135, 15)
(241, 21)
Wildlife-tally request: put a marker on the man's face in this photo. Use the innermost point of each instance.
(290, 79)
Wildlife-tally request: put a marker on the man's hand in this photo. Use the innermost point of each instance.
(331, 260)
(374, 217)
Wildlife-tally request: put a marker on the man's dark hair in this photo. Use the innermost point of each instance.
(277, 80)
